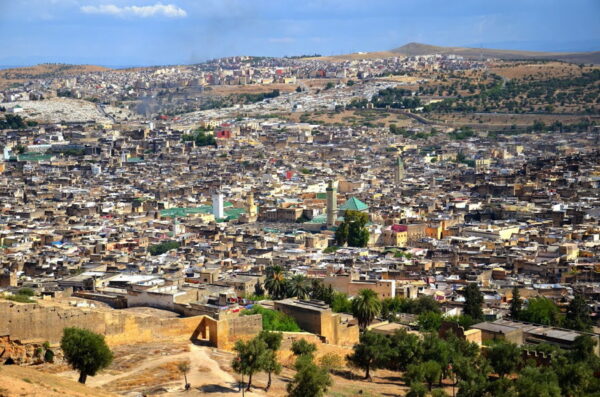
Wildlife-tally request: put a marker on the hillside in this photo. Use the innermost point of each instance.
(12, 76)
(24, 381)
(412, 49)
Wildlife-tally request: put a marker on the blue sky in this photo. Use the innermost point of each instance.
(150, 32)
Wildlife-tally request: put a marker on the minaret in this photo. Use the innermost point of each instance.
(331, 204)
(217, 204)
(251, 206)
(398, 171)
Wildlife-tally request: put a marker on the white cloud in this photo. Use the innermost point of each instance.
(168, 10)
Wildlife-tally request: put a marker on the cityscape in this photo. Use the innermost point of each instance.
(417, 220)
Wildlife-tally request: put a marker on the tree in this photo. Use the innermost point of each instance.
(258, 289)
(370, 353)
(516, 304)
(429, 321)
(541, 310)
(310, 379)
(298, 286)
(428, 372)
(341, 234)
(504, 357)
(472, 374)
(353, 231)
(422, 304)
(340, 303)
(250, 358)
(184, 368)
(537, 382)
(275, 282)
(473, 302)
(303, 348)
(85, 351)
(405, 348)
(273, 342)
(271, 365)
(578, 315)
(365, 307)
(331, 362)
(431, 372)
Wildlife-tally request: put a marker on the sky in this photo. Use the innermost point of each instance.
(165, 32)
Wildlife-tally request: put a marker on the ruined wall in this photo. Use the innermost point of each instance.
(37, 323)
(239, 328)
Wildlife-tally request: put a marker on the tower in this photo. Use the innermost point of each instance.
(217, 204)
(398, 171)
(331, 204)
(252, 211)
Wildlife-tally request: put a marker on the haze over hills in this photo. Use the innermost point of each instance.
(412, 49)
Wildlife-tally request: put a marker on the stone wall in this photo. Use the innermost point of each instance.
(31, 323)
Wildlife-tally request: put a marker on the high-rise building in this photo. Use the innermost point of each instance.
(331, 204)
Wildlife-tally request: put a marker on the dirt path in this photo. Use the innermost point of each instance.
(206, 376)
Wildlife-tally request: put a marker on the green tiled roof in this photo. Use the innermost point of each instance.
(354, 204)
(203, 209)
(33, 157)
(322, 196)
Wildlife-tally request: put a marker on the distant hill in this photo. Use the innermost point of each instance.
(19, 75)
(412, 49)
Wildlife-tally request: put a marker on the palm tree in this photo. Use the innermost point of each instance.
(275, 282)
(365, 307)
(298, 286)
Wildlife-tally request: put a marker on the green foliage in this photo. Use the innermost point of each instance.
(537, 382)
(19, 298)
(159, 249)
(578, 315)
(271, 339)
(301, 347)
(331, 362)
(396, 98)
(309, 380)
(253, 98)
(370, 353)
(250, 358)
(201, 138)
(365, 307)
(259, 291)
(275, 282)
(85, 351)
(430, 321)
(405, 348)
(271, 364)
(541, 310)
(273, 320)
(516, 305)
(298, 286)
(353, 230)
(329, 86)
(462, 134)
(331, 250)
(473, 302)
(12, 122)
(504, 357)
(26, 291)
(341, 303)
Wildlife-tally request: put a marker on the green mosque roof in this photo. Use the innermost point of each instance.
(354, 204)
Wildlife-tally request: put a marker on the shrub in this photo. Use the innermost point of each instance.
(273, 320)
